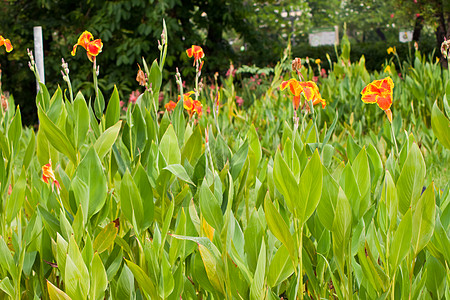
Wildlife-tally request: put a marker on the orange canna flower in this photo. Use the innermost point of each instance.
(47, 173)
(188, 103)
(197, 107)
(309, 90)
(7, 44)
(92, 47)
(170, 106)
(196, 52)
(296, 90)
(380, 92)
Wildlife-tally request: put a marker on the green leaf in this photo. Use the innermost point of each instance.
(15, 202)
(145, 190)
(89, 184)
(55, 293)
(257, 288)
(81, 122)
(112, 114)
(76, 273)
(99, 105)
(169, 147)
(280, 268)
(279, 228)
(211, 266)
(56, 137)
(285, 182)
(238, 160)
(179, 171)
(99, 281)
(410, 182)
(15, 131)
(327, 204)
(440, 125)
(105, 238)
(6, 259)
(310, 188)
(125, 284)
(423, 220)
(131, 202)
(401, 243)
(107, 139)
(192, 149)
(30, 152)
(341, 228)
(143, 280)
(361, 170)
(210, 207)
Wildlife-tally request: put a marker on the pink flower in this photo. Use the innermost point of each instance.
(417, 15)
(323, 73)
(134, 96)
(208, 110)
(392, 16)
(239, 101)
(315, 78)
(121, 103)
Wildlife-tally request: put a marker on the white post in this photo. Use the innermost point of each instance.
(39, 53)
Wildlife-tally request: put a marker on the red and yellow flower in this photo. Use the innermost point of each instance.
(47, 173)
(380, 92)
(192, 106)
(309, 89)
(196, 52)
(92, 47)
(6, 43)
(170, 106)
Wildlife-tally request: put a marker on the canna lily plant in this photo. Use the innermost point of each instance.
(7, 43)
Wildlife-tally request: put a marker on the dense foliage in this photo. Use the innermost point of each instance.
(233, 195)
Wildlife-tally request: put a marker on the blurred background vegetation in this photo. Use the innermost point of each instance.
(242, 32)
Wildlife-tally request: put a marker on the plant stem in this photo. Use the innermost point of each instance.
(349, 269)
(94, 74)
(315, 123)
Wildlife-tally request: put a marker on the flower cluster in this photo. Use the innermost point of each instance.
(380, 92)
(47, 173)
(6, 43)
(309, 90)
(192, 106)
(92, 47)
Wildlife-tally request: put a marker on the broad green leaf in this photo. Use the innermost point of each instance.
(210, 207)
(112, 114)
(327, 204)
(99, 105)
(81, 121)
(56, 137)
(143, 280)
(410, 182)
(401, 243)
(15, 201)
(211, 266)
(179, 171)
(423, 219)
(6, 259)
(341, 228)
(131, 202)
(310, 188)
(258, 285)
(30, 152)
(440, 125)
(280, 268)
(105, 238)
(169, 147)
(89, 184)
(145, 190)
(55, 293)
(238, 160)
(192, 149)
(285, 182)
(350, 187)
(99, 281)
(361, 170)
(182, 248)
(15, 131)
(107, 139)
(76, 279)
(371, 270)
(280, 229)
(125, 284)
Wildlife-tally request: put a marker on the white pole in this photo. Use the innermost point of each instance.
(39, 53)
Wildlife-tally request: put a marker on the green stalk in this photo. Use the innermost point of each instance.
(94, 74)
(349, 269)
(299, 232)
(315, 123)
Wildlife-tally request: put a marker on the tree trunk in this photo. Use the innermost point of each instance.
(418, 28)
